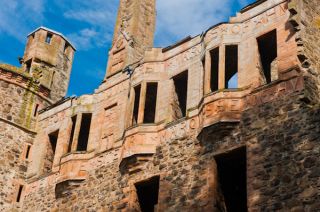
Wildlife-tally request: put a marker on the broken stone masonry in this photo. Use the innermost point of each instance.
(166, 130)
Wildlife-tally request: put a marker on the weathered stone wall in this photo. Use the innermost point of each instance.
(305, 16)
(277, 126)
(282, 156)
(13, 164)
(18, 103)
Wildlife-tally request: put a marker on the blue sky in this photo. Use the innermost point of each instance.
(89, 25)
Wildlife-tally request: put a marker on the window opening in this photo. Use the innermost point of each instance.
(19, 195)
(53, 138)
(28, 65)
(232, 175)
(181, 91)
(135, 116)
(28, 151)
(36, 110)
(214, 79)
(148, 192)
(49, 38)
(151, 102)
(267, 45)
(84, 132)
(231, 65)
(52, 79)
(66, 46)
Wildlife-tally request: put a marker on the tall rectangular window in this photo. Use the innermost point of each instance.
(137, 91)
(151, 103)
(231, 67)
(232, 175)
(84, 132)
(267, 44)
(74, 120)
(181, 91)
(19, 194)
(148, 193)
(214, 78)
(53, 138)
(49, 38)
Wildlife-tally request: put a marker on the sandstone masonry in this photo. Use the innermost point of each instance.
(224, 121)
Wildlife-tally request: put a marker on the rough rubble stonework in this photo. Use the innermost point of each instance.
(168, 116)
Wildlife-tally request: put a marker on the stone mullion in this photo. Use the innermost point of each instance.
(222, 67)
(142, 102)
(76, 133)
(207, 73)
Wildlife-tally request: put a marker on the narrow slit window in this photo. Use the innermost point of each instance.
(181, 92)
(74, 120)
(135, 116)
(148, 193)
(28, 151)
(214, 79)
(267, 45)
(84, 132)
(49, 38)
(232, 175)
(36, 110)
(231, 67)
(19, 194)
(151, 102)
(52, 79)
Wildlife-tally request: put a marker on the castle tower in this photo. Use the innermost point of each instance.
(134, 32)
(41, 81)
(48, 57)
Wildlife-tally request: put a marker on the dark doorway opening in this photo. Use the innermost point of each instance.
(148, 192)
(214, 80)
(74, 120)
(231, 65)
(267, 44)
(53, 138)
(84, 132)
(135, 116)
(232, 174)
(151, 103)
(181, 89)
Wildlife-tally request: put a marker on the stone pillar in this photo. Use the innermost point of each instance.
(76, 133)
(222, 66)
(207, 73)
(142, 102)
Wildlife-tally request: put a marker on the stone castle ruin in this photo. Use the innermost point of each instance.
(167, 130)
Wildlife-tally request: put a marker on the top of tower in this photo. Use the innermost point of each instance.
(53, 32)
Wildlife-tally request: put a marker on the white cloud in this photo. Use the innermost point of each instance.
(180, 18)
(83, 39)
(176, 18)
(99, 15)
(19, 17)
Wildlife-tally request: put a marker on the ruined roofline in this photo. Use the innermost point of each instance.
(252, 5)
(60, 102)
(188, 38)
(54, 32)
